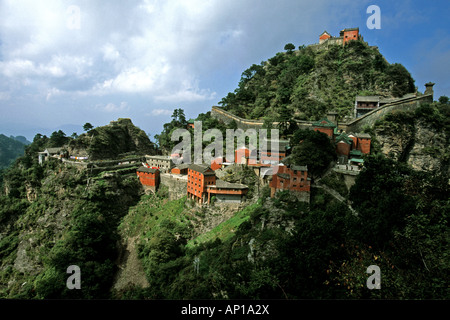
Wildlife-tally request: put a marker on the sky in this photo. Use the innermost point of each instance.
(64, 63)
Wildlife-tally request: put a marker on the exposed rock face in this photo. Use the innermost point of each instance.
(215, 215)
(416, 143)
(428, 151)
(131, 272)
(176, 184)
(24, 261)
(395, 140)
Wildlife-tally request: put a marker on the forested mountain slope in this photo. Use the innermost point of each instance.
(309, 82)
(10, 149)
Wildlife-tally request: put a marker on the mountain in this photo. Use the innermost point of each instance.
(10, 149)
(315, 79)
(108, 142)
(70, 213)
(420, 138)
(129, 244)
(21, 139)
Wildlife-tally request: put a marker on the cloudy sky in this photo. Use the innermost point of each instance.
(67, 62)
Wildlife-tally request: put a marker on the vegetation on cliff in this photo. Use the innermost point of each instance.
(108, 142)
(420, 138)
(53, 216)
(308, 83)
(10, 149)
(280, 248)
(164, 139)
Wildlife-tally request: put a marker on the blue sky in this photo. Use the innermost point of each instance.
(65, 63)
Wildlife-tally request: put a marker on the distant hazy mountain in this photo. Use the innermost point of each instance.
(10, 149)
(21, 139)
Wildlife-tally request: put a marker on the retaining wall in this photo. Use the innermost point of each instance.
(356, 125)
(244, 124)
(177, 185)
(369, 119)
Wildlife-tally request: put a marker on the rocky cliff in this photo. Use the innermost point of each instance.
(53, 216)
(108, 142)
(306, 84)
(419, 138)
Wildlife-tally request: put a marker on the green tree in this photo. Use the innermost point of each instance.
(443, 100)
(178, 118)
(384, 214)
(289, 48)
(401, 79)
(313, 149)
(286, 124)
(58, 139)
(87, 126)
(304, 257)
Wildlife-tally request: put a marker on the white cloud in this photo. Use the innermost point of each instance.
(111, 107)
(148, 47)
(188, 90)
(131, 80)
(58, 66)
(110, 53)
(186, 96)
(160, 112)
(17, 67)
(52, 92)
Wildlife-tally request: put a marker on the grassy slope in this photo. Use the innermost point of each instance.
(226, 229)
(145, 219)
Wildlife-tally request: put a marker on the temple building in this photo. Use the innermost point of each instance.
(199, 178)
(343, 146)
(49, 152)
(148, 177)
(244, 155)
(326, 126)
(163, 163)
(275, 151)
(293, 178)
(345, 36)
(180, 169)
(227, 192)
(202, 185)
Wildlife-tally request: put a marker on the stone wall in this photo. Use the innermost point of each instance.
(227, 117)
(229, 198)
(244, 124)
(369, 119)
(177, 185)
(355, 125)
